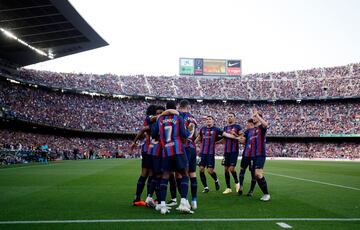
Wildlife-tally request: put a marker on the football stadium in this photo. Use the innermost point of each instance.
(179, 114)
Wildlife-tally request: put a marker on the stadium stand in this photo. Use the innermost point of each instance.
(343, 81)
(101, 113)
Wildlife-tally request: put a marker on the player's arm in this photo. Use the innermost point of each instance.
(138, 136)
(262, 121)
(221, 141)
(229, 135)
(242, 139)
(199, 137)
(170, 112)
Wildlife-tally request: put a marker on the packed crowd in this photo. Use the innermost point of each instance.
(109, 114)
(314, 83)
(64, 147)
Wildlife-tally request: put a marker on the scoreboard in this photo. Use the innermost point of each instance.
(209, 67)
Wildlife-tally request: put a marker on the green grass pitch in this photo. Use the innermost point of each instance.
(104, 189)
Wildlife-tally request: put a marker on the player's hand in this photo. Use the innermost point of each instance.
(190, 127)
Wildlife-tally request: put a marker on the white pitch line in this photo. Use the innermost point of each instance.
(283, 225)
(314, 181)
(176, 220)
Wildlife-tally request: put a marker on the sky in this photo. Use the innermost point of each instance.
(149, 36)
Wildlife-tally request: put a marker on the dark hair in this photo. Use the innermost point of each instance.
(151, 110)
(160, 107)
(232, 114)
(250, 120)
(210, 117)
(171, 105)
(184, 103)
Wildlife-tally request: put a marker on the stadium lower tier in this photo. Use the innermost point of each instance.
(61, 146)
(99, 113)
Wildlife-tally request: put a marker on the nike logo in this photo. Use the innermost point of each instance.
(232, 64)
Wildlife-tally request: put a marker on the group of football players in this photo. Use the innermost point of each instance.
(169, 155)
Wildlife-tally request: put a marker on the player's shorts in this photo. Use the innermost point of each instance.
(247, 162)
(230, 159)
(207, 161)
(191, 156)
(146, 161)
(157, 164)
(175, 163)
(259, 162)
(44, 155)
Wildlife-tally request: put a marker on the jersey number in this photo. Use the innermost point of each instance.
(168, 133)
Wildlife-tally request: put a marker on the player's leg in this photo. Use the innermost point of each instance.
(178, 179)
(156, 170)
(182, 165)
(145, 166)
(227, 173)
(140, 187)
(253, 181)
(233, 162)
(259, 165)
(211, 170)
(243, 165)
(192, 175)
(149, 179)
(202, 166)
(167, 166)
(172, 183)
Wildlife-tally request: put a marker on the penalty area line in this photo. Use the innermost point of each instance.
(176, 220)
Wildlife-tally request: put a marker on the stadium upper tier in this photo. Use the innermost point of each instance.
(84, 112)
(342, 81)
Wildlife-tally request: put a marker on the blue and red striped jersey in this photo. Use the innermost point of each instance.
(209, 137)
(171, 131)
(231, 145)
(250, 143)
(260, 133)
(155, 148)
(189, 119)
(145, 145)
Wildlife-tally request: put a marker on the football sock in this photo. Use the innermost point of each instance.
(172, 186)
(263, 185)
(184, 186)
(178, 184)
(234, 174)
(163, 189)
(227, 179)
(148, 184)
(140, 187)
(253, 181)
(152, 186)
(193, 182)
(214, 176)
(241, 177)
(203, 179)
(157, 189)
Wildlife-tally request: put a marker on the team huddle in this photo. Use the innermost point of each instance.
(169, 155)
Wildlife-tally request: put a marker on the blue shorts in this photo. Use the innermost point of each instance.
(259, 162)
(230, 159)
(207, 161)
(175, 163)
(191, 156)
(146, 161)
(157, 164)
(247, 162)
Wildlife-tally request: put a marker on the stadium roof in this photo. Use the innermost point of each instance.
(33, 31)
